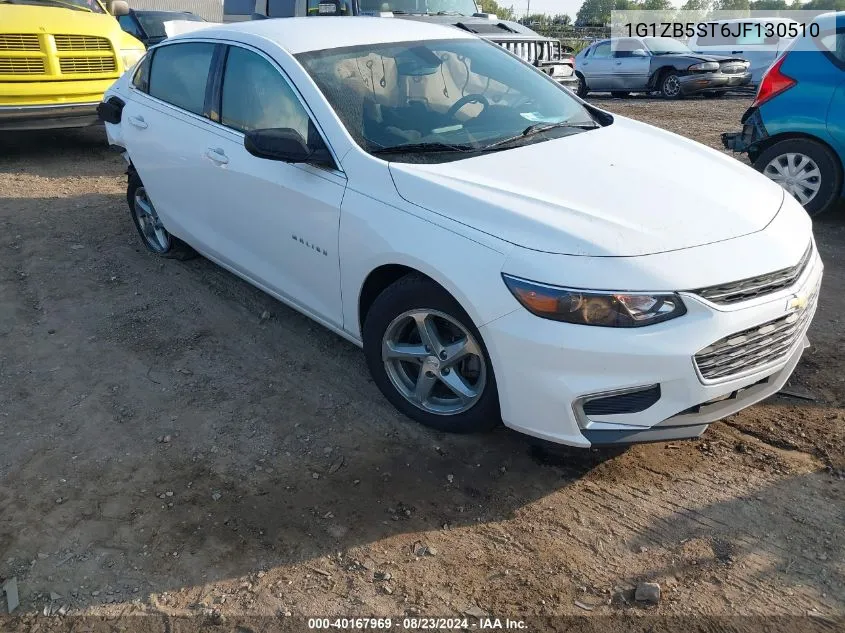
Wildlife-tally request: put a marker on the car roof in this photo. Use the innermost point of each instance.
(300, 35)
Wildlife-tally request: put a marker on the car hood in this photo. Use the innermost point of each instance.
(28, 18)
(701, 57)
(623, 190)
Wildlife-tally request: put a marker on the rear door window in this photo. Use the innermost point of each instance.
(179, 74)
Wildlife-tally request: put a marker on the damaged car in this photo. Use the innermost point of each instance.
(656, 64)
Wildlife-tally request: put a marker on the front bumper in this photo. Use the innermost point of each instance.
(46, 117)
(705, 82)
(544, 370)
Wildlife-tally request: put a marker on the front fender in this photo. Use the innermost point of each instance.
(375, 234)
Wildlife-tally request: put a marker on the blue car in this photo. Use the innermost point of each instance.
(794, 132)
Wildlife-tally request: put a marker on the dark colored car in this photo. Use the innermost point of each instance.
(148, 26)
(656, 64)
(794, 132)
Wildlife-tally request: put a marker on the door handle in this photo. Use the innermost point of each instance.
(217, 155)
(138, 122)
(618, 63)
(736, 52)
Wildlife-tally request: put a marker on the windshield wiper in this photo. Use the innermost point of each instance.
(538, 128)
(422, 148)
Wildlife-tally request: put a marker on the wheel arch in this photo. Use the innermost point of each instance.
(384, 275)
(762, 145)
(657, 75)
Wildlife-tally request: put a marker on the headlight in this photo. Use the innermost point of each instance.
(705, 66)
(587, 307)
(130, 57)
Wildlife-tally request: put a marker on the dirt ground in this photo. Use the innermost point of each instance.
(165, 450)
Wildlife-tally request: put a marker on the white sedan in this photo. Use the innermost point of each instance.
(502, 251)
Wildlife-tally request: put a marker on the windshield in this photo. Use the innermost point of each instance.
(78, 5)
(666, 45)
(464, 95)
(153, 21)
(447, 7)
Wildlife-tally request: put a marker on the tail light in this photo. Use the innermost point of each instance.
(774, 82)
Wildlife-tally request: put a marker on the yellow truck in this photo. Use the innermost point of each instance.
(57, 58)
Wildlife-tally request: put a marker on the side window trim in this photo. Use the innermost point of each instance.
(217, 92)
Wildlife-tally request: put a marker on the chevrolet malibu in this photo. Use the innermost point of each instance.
(502, 251)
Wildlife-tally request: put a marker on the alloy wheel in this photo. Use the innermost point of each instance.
(152, 230)
(797, 173)
(672, 86)
(434, 362)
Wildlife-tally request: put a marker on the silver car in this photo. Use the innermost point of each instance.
(656, 64)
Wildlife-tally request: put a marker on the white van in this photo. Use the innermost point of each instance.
(749, 44)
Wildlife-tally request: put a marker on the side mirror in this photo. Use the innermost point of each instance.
(639, 52)
(118, 8)
(284, 144)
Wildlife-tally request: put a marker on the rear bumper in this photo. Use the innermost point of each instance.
(47, 117)
(692, 84)
(753, 131)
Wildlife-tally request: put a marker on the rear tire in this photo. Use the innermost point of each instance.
(152, 233)
(582, 90)
(405, 361)
(792, 163)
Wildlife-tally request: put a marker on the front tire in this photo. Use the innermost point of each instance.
(428, 359)
(808, 170)
(152, 232)
(670, 85)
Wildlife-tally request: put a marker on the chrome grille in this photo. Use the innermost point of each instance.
(87, 65)
(22, 66)
(81, 43)
(757, 347)
(533, 51)
(753, 287)
(19, 42)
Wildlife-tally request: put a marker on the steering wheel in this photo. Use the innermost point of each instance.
(460, 103)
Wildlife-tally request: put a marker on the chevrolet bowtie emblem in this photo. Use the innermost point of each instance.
(798, 302)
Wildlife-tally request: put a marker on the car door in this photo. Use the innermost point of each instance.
(274, 222)
(631, 65)
(165, 124)
(597, 66)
